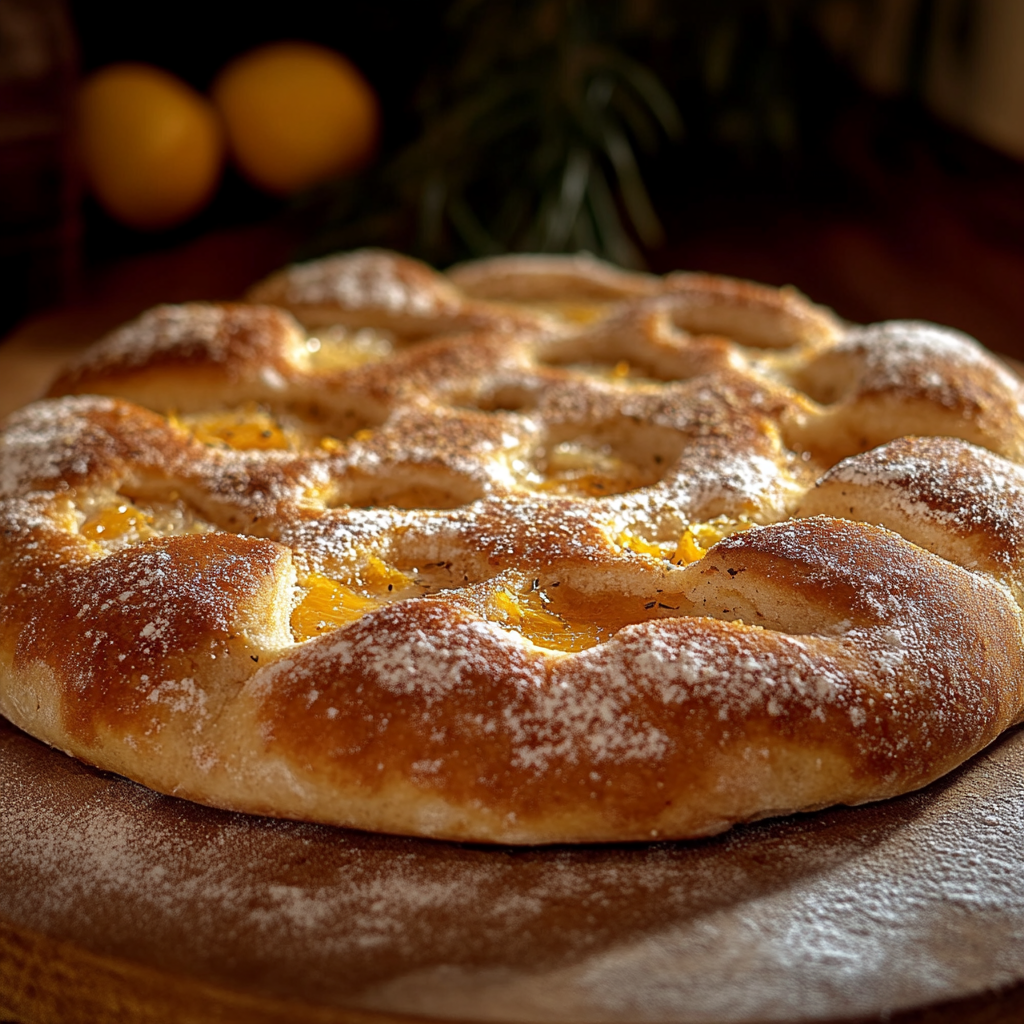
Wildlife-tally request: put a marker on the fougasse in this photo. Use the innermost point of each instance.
(533, 551)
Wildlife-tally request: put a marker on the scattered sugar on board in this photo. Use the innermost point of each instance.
(825, 905)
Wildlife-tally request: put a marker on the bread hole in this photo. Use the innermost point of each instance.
(611, 458)
(560, 618)
(636, 350)
(316, 420)
(754, 316)
(575, 311)
(709, 323)
(586, 470)
(689, 546)
(555, 615)
(552, 614)
(327, 602)
(324, 603)
(546, 610)
(621, 366)
(406, 487)
(249, 427)
(829, 379)
(413, 497)
(510, 398)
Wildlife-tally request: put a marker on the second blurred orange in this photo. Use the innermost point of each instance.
(296, 115)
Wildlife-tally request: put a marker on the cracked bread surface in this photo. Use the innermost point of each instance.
(533, 551)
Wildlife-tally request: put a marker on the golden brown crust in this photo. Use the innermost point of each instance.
(377, 289)
(502, 528)
(565, 279)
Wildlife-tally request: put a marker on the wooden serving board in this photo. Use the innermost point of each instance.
(117, 904)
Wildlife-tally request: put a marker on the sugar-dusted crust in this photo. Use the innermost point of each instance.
(506, 481)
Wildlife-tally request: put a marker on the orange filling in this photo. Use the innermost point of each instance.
(542, 627)
(337, 348)
(328, 603)
(562, 619)
(378, 576)
(632, 542)
(556, 617)
(693, 544)
(575, 312)
(698, 538)
(249, 429)
(118, 521)
(115, 521)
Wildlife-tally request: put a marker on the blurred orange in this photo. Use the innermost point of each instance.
(296, 114)
(152, 147)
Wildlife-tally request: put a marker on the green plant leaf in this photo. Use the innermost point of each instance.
(574, 187)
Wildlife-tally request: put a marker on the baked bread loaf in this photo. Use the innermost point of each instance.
(532, 551)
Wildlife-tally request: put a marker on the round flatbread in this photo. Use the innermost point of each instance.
(536, 551)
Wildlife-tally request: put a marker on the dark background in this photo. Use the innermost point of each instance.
(722, 171)
(870, 203)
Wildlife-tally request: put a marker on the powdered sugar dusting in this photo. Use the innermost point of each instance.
(955, 484)
(40, 441)
(368, 280)
(183, 330)
(902, 352)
